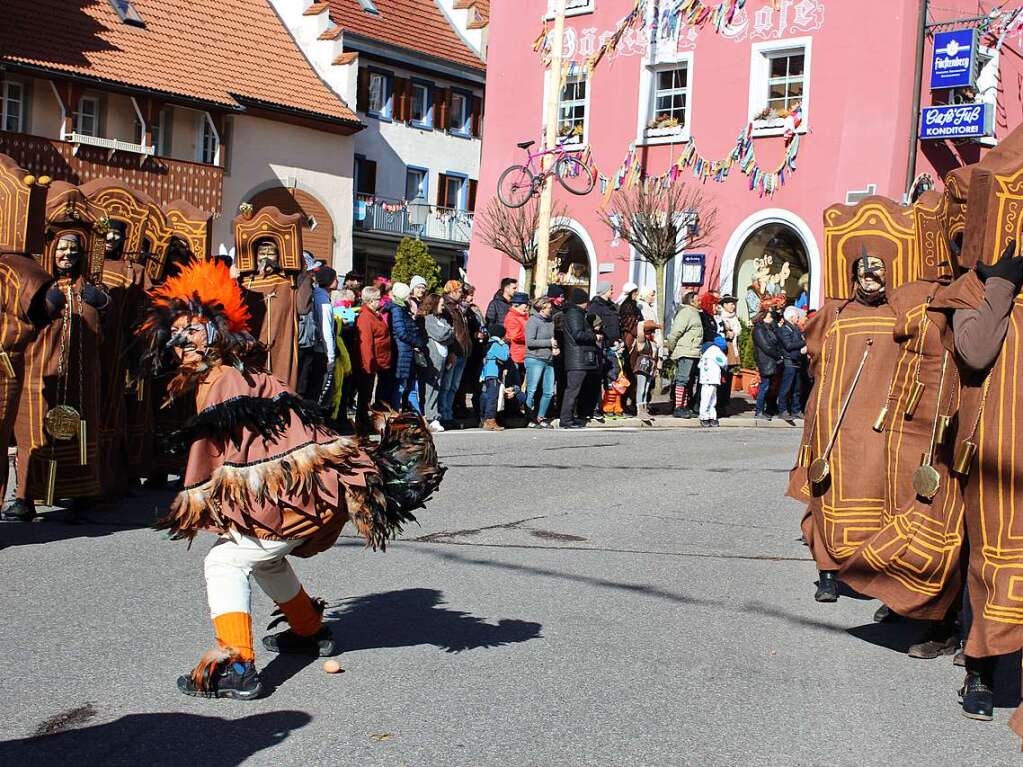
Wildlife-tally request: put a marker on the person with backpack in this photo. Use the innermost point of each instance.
(316, 349)
(769, 353)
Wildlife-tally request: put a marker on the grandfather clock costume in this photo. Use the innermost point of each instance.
(23, 289)
(127, 214)
(912, 564)
(269, 257)
(57, 426)
(840, 472)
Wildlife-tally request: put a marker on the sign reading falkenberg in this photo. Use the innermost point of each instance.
(956, 121)
(953, 63)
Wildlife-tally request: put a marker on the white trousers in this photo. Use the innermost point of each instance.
(708, 402)
(234, 558)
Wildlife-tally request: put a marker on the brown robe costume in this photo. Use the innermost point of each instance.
(991, 400)
(22, 284)
(912, 563)
(848, 507)
(274, 303)
(124, 281)
(44, 389)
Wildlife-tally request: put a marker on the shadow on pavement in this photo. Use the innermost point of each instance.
(416, 616)
(157, 739)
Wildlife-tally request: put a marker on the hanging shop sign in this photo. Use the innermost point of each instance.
(957, 121)
(953, 62)
(694, 265)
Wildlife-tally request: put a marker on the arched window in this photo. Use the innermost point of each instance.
(772, 266)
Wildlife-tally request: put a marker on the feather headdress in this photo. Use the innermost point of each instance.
(206, 291)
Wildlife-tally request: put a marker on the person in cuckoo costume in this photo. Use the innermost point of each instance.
(840, 469)
(270, 260)
(28, 300)
(59, 408)
(912, 563)
(267, 477)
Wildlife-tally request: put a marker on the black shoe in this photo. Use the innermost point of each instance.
(827, 587)
(573, 425)
(798, 415)
(785, 415)
(978, 698)
(19, 510)
(706, 424)
(683, 412)
(715, 422)
(598, 417)
(883, 614)
(934, 648)
(959, 659)
(762, 416)
(226, 679)
(319, 645)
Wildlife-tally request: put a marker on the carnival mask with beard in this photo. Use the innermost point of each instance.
(67, 254)
(113, 245)
(870, 280)
(192, 343)
(268, 260)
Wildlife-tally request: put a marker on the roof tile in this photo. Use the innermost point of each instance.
(416, 25)
(199, 49)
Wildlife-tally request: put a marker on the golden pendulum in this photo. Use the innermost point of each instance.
(51, 480)
(6, 366)
(964, 456)
(926, 479)
(944, 422)
(83, 444)
(881, 418)
(819, 471)
(804, 456)
(915, 393)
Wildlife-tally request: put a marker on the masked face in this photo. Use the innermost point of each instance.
(189, 341)
(267, 258)
(870, 276)
(68, 253)
(114, 243)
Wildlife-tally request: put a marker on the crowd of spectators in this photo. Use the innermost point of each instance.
(565, 355)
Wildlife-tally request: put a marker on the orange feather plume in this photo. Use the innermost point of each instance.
(209, 283)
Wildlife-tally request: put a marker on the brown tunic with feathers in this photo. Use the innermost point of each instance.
(22, 281)
(847, 508)
(989, 416)
(303, 483)
(44, 388)
(912, 563)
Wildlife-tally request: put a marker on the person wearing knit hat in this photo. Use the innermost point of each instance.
(627, 290)
(419, 290)
(556, 294)
(400, 292)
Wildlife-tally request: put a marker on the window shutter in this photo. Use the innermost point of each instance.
(402, 99)
(442, 191)
(370, 172)
(476, 116)
(440, 108)
(362, 91)
(471, 199)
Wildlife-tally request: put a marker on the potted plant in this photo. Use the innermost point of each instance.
(570, 134)
(748, 377)
(768, 117)
(663, 125)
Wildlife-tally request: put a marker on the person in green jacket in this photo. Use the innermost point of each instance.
(684, 346)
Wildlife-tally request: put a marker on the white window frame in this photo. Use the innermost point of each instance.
(22, 101)
(579, 142)
(206, 121)
(79, 113)
(427, 118)
(424, 190)
(760, 71)
(387, 94)
(585, 6)
(648, 96)
(463, 190)
(158, 129)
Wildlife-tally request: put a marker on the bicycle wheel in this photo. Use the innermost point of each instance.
(515, 186)
(576, 177)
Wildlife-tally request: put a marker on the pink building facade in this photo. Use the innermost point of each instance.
(682, 96)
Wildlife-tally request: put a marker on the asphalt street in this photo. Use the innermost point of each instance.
(599, 597)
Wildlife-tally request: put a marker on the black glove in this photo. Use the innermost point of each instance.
(94, 297)
(1009, 267)
(54, 303)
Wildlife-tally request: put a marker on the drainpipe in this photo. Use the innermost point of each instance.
(917, 85)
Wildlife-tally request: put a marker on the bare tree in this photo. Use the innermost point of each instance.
(660, 222)
(512, 231)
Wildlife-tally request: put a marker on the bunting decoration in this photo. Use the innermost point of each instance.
(742, 157)
(696, 14)
(631, 20)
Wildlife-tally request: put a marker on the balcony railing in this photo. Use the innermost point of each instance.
(413, 219)
(159, 177)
